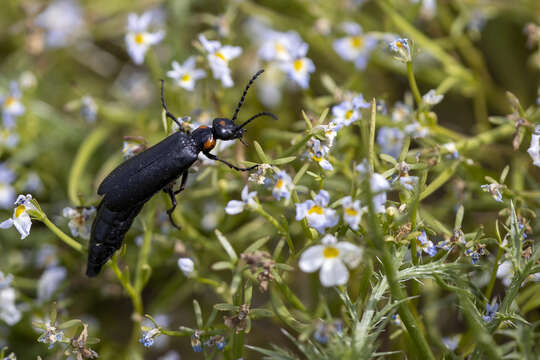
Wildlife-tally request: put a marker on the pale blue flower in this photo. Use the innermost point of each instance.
(425, 245)
(186, 75)
(432, 98)
(148, 337)
(390, 140)
(248, 199)
(401, 50)
(352, 211)
(283, 186)
(62, 21)
(494, 189)
(219, 57)
(139, 38)
(315, 211)
(355, 47)
(12, 106)
(50, 281)
(491, 311)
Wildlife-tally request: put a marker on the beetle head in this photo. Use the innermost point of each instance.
(225, 129)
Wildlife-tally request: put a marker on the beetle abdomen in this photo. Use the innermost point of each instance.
(108, 231)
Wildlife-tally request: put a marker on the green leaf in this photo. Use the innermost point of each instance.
(227, 246)
(69, 323)
(282, 161)
(258, 313)
(260, 153)
(226, 307)
(300, 173)
(388, 158)
(322, 117)
(222, 265)
(198, 313)
(256, 245)
(309, 126)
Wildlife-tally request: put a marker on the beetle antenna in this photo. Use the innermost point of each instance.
(264, 113)
(241, 102)
(169, 115)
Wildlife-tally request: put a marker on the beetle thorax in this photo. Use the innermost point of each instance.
(204, 138)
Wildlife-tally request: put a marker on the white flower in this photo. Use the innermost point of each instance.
(416, 130)
(299, 70)
(390, 140)
(21, 220)
(8, 312)
(352, 212)
(318, 154)
(260, 176)
(451, 149)
(494, 190)
(12, 106)
(401, 50)
(279, 46)
(330, 132)
(348, 112)
(236, 207)
(318, 215)
(8, 138)
(138, 38)
(363, 167)
(5, 280)
(355, 47)
(79, 220)
(63, 22)
(432, 98)
(505, 272)
(89, 108)
(186, 265)
(283, 186)
(408, 182)
(219, 57)
(401, 112)
(270, 86)
(426, 245)
(331, 258)
(49, 281)
(379, 185)
(186, 74)
(51, 335)
(534, 148)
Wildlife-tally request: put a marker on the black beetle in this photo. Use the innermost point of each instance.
(128, 187)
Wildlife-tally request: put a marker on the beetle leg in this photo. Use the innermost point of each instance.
(167, 112)
(214, 157)
(170, 192)
(183, 183)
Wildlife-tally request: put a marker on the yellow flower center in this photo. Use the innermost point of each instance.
(315, 209)
(279, 184)
(139, 38)
(298, 65)
(221, 56)
(10, 100)
(185, 77)
(330, 252)
(19, 210)
(357, 41)
(351, 211)
(280, 48)
(317, 159)
(349, 114)
(399, 44)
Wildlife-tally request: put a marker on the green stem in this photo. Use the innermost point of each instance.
(142, 264)
(84, 153)
(62, 235)
(278, 226)
(491, 284)
(412, 84)
(390, 271)
(371, 149)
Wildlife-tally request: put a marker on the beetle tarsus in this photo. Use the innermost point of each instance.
(214, 157)
(170, 192)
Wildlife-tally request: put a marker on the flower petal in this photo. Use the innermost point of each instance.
(312, 259)
(333, 272)
(234, 207)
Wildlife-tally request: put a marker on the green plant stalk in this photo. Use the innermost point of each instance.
(259, 209)
(390, 271)
(439, 181)
(371, 149)
(144, 251)
(62, 235)
(413, 85)
(87, 148)
(493, 277)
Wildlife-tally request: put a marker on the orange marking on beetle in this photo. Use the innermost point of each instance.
(203, 127)
(209, 144)
(221, 122)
